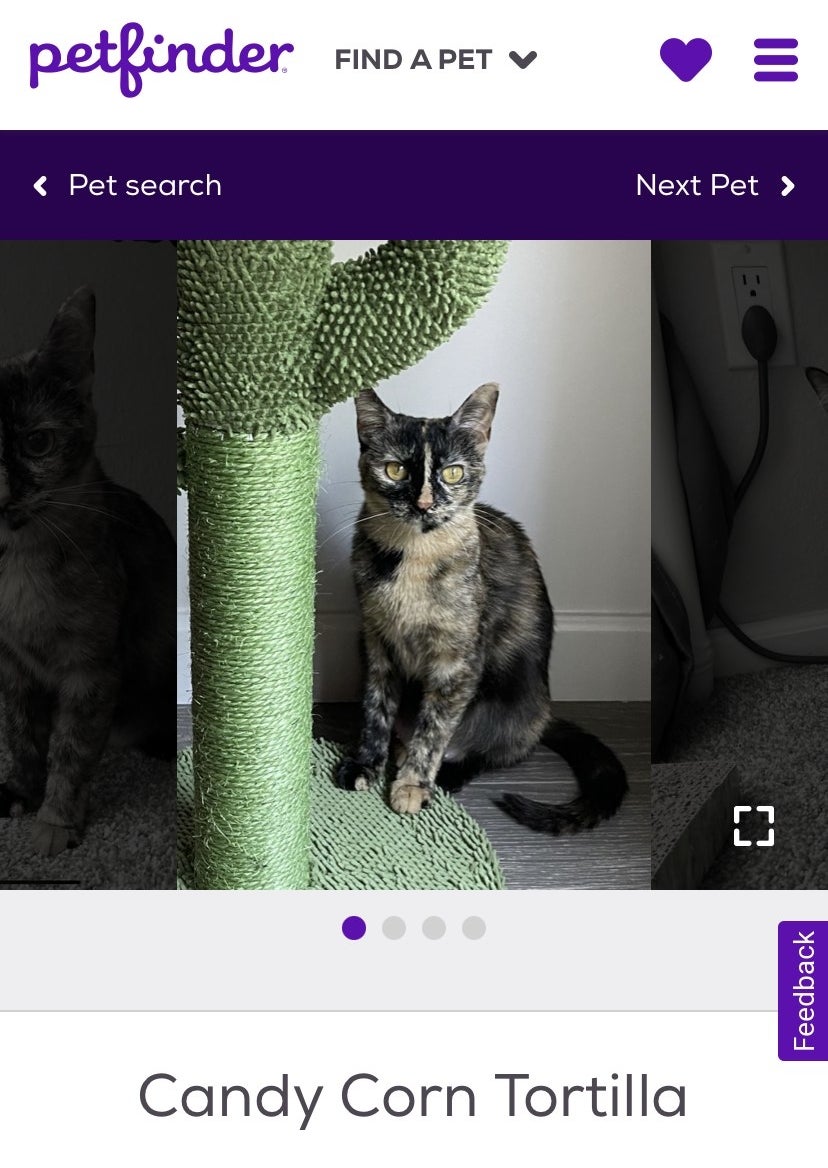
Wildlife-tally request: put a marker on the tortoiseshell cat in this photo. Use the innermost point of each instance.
(457, 624)
(87, 570)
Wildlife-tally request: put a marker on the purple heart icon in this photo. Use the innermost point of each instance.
(686, 60)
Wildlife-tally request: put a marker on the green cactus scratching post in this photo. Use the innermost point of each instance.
(271, 335)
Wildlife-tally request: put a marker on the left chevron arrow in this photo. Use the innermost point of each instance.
(40, 185)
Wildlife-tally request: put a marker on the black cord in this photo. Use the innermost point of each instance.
(762, 440)
(741, 490)
(786, 658)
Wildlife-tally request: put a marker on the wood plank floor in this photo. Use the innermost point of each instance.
(615, 854)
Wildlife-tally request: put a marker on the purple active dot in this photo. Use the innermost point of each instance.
(353, 928)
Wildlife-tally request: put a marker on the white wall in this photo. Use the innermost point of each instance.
(566, 333)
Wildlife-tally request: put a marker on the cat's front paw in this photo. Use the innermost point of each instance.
(352, 776)
(407, 797)
(50, 837)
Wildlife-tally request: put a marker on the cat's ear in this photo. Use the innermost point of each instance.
(477, 411)
(372, 414)
(68, 350)
(819, 380)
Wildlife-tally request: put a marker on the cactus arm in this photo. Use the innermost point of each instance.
(384, 311)
(246, 322)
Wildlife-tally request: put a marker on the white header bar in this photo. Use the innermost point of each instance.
(439, 65)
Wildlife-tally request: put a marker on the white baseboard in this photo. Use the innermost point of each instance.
(801, 633)
(601, 657)
(597, 656)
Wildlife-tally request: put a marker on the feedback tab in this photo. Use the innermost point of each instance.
(803, 991)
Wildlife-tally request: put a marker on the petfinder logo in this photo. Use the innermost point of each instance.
(133, 54)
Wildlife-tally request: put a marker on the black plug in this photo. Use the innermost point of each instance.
(759, 333)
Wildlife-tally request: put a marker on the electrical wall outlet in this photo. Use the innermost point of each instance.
(753, 273)
(752, 286)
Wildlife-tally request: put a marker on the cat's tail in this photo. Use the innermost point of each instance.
(601, 781)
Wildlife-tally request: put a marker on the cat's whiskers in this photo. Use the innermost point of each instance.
(346, 527)
(96, 510)
(323, 487)
(79, 550)
(483, 520)
(85, 485)
(355, 504)
(491, 524)
(41, 522)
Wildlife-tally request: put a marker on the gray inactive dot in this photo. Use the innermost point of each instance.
(393, 928)
(474, 928)
(434, 928)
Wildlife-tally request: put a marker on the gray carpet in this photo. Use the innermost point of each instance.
(774, 727)
(130, 838)
(692, 811)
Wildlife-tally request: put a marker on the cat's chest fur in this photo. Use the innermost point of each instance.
(40, 614)
(424, 595)
(27, 589)
(28, 603)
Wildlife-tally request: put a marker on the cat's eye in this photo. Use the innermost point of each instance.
(396, 471)
(452, 475)
(37, 443)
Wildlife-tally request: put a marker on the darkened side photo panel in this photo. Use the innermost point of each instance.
(740, 564)
(87, 565)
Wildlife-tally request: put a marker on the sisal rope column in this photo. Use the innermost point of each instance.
(252, 511)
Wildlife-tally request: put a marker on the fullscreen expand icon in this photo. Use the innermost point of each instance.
(744, 809)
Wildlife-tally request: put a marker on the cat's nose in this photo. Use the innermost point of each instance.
(425, 501)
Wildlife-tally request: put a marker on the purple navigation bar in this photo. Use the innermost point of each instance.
(429, 184)
(803, 991)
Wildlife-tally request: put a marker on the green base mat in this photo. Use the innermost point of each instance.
(357, 842)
